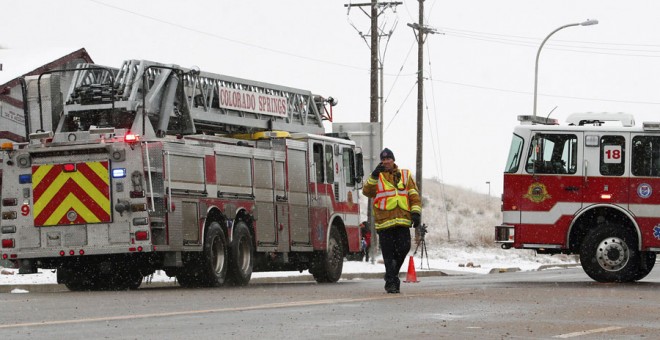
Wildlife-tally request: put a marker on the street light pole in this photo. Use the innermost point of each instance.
(538, 53)
(488, 182)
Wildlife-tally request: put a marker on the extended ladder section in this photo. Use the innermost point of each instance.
(186, 101)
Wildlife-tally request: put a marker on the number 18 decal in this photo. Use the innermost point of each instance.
(612, 154)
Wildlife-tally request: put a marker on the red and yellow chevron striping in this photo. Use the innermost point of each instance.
(76, 197)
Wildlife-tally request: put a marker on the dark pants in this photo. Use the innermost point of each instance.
(394, 245)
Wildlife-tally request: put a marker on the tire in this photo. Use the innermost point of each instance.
(241, 256)
(609, 254)
(215, 260)
(133, 281)
(328, 265)
(79, 279)
(646, 263)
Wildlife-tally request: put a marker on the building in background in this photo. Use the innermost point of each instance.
(17, 64)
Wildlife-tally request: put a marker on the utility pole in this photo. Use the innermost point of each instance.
(376, 110)
(377, 9)
(421, 32)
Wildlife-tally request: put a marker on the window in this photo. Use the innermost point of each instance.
(612, 154)
(329, 164)
(552, 154)
(646, 156)
(349, 167)
(515, 153)
(318, 162)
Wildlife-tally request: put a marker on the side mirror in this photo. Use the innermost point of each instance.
(359, 170)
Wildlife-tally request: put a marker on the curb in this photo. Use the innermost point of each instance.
(540, 268)
(51, 288)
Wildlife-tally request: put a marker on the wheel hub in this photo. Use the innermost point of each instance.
(612, 254)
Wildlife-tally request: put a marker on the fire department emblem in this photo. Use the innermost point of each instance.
(537, 193)
(656, 232)
(644, 190)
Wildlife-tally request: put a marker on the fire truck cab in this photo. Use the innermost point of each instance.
(591, 187)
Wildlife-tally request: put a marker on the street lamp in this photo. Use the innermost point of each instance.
(488, 182)
(538, 53)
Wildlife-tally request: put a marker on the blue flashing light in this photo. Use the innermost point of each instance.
(24, 179)
(119, 173)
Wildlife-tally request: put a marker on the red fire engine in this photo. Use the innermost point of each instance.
(154, 166)
(591, 187)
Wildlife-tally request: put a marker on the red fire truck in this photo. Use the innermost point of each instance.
(591, 187)
(205, 176)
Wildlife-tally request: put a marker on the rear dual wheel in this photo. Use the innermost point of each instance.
(240, 256)
(215, 259)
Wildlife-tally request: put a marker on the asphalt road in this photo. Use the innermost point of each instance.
(549, 304)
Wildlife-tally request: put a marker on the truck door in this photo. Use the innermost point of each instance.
(321, 186)
(644, 187)
(265, 201)
(298, 184)
(551, 186)
(606, 177)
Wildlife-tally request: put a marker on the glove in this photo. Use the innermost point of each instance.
(416, 220)
(380, 168)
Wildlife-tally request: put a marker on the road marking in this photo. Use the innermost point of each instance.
(591, 331)
(221, 310)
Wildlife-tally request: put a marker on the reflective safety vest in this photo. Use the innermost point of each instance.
(390, 196)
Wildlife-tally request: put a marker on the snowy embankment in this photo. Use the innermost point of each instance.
(460, 239)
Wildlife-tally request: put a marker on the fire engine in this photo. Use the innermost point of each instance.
(157, 167)
(591, 187)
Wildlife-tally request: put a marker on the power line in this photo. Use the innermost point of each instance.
(533, 39)
(447, 30)
(216, 36)
(546, 95)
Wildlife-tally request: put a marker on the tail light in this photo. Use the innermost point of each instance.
(142, 235)
(8, 243)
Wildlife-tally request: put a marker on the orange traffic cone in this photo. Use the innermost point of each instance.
(412, 275)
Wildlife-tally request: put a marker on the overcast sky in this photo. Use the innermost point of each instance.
(480, 70)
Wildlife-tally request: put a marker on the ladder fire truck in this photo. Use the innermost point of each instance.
(157, 167)
(591, 187)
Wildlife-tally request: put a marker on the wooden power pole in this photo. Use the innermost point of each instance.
(421, 32)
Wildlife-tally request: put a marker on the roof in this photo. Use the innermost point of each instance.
(21, 62)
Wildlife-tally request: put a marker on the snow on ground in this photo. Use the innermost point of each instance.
(448, 257)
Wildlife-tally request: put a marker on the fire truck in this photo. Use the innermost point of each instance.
(591, 187)
(157, 167)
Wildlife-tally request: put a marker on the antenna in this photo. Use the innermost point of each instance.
(551, 111)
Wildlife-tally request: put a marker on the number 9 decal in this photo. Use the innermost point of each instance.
(25, 209)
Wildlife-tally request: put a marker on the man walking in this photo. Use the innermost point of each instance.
(397, 207)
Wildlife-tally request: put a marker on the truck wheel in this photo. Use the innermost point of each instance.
(609, 254)
(133, 280)
(215, 259)
(647, 261)
(240, 256)
(328, 266)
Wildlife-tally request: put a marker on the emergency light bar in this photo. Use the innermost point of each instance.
(651, 126)
(527, 119)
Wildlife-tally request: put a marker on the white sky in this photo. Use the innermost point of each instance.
(480, 72)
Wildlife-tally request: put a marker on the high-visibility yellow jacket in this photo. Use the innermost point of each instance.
(395, 198)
